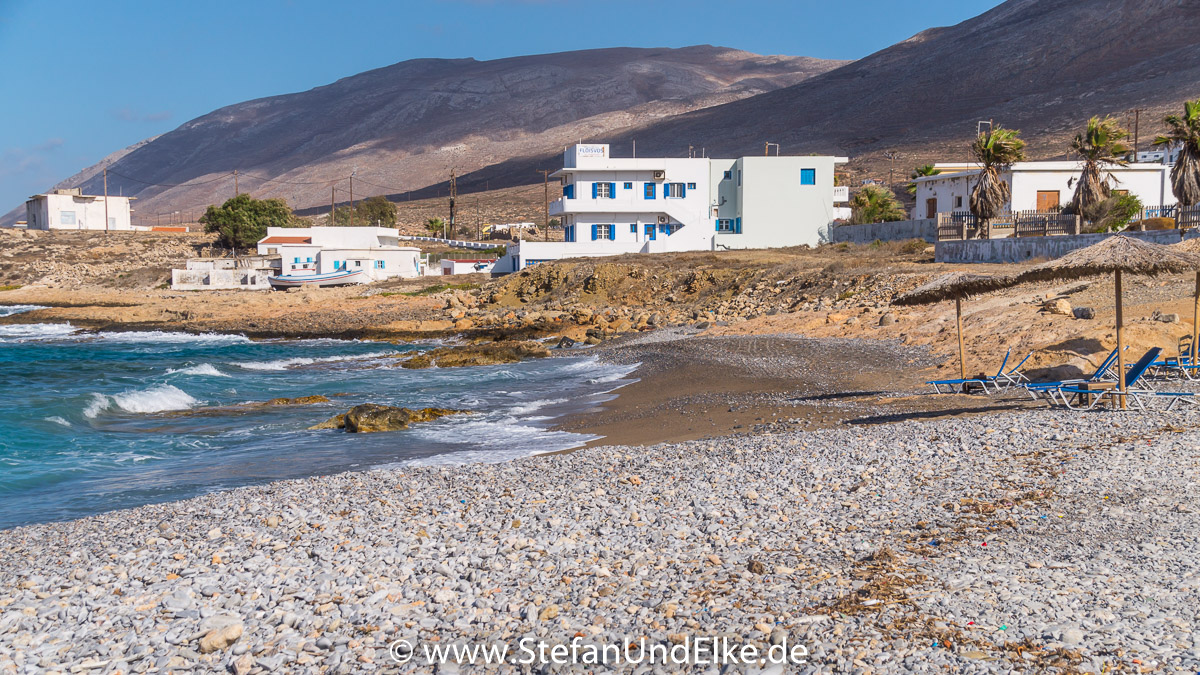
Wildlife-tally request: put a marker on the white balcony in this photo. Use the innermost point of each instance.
(841, 193)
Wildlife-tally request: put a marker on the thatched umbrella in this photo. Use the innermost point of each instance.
(956, 286)
(1115, 255)
(1192, 246)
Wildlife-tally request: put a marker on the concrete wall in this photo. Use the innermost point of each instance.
(1024, 249)
(925, 228)
(220, 279)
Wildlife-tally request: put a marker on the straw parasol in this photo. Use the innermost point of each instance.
(954, 286)
(1192, 246)
(1115, 255)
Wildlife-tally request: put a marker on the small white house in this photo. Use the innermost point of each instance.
(612, 206)
(468, 265)
(320, 250)
(1037, 186)
(72, 210)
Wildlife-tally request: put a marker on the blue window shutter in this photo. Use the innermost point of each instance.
(649, 190)
(612, 190)
(612, 232)
(595, 190)
(737, 225)
(718, 226)
(682, 190)
(595, 229)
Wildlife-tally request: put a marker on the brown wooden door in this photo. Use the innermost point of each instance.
(931, 207)
(1047, 200)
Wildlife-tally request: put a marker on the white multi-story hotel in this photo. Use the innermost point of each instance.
(612, 206)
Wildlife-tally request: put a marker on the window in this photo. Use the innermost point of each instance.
(675, 190)
(691, 186)
(739, 177)
(958, 202)
(379, 265)
(308, 260)
(629, 186)
(603, 232)
(725, 225)
(67, 217)
(358, 263)
(569, 233)
(728, 175)
(569, 192)
(650, 231)
(602, 191)
(808, 176)
(649, 191)
(295, 261)
(112, 223)
(633, 228)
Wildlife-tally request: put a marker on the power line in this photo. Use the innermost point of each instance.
(146, 182)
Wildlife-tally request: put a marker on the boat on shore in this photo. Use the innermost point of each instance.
(330, 279)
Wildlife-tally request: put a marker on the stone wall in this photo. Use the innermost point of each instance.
(903, 230)
(1025, 249)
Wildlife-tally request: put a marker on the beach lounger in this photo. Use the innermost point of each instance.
(1171, 368)
(1037, 389)
(983, 381)
(1090, 398)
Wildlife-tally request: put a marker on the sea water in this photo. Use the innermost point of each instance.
(91, 422)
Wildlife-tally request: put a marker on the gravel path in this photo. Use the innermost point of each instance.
(1039, 541)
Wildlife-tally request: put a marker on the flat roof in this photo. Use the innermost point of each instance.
(286, 240)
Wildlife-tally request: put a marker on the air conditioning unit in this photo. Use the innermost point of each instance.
(660, 175)
(663, 220)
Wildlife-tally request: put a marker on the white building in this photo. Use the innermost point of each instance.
(612, 206)
(72, 210)
(320, 250)
(1037, 186)
(468, 265)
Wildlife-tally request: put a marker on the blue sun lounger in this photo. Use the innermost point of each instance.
(1037, 389)
(1001, 380)
(1135, 373)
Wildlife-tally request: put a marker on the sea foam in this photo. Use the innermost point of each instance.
(206, 369)
(158, 398)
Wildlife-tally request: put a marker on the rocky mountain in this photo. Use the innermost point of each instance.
(405, 126)
(1042, 66)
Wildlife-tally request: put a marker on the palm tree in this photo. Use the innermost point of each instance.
(995, 151)
(1100, 147)
(875, 204)
(1184, 132)
(921, 172)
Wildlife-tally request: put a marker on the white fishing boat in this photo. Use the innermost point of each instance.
(330, 279)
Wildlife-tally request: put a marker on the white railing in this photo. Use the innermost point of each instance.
(841, 193)
(457, 243)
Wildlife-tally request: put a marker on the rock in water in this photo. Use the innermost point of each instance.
(299, 400)
(372, 417)
(486, 354)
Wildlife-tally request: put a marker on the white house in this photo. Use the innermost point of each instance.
(612, 206)
(1037, 186)
(70, 209)
(468, 265)
(320, 250)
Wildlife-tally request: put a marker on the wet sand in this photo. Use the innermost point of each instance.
(694, 386)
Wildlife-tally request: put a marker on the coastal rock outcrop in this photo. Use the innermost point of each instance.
(372, 417)
(484, 354)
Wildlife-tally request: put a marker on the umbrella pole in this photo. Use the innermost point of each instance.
(962, 359)
(1120, 345)
(1195, 324)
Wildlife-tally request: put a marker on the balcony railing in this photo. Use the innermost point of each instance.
(841, 193)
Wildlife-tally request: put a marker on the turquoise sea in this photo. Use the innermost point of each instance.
(91, 422)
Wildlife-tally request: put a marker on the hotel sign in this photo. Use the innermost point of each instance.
(592, 151)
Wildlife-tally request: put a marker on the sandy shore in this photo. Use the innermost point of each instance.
(692, 386)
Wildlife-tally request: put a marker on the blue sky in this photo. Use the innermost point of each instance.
(79, 80)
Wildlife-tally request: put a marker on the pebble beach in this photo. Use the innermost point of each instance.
(1034, 542)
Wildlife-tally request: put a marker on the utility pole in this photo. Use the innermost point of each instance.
(448, 227)
(478, 222)
(236, 190)
(891, 155)
(352, 196)
(1137, 119)
(332, 197)
(546, 201)
(105, 200)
